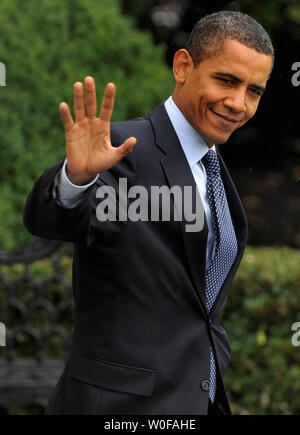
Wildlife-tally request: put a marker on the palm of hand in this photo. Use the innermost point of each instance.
(88, 145)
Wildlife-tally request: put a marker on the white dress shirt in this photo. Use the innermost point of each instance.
(194, 148)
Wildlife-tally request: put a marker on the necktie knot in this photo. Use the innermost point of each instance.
(211, 162)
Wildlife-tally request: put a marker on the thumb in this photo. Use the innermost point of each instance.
(126, 147)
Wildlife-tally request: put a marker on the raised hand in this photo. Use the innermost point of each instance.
(88, 146)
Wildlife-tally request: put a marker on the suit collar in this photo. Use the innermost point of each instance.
(193, 145)
(165, 135)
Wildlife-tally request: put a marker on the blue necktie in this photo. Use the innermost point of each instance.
(226, 243)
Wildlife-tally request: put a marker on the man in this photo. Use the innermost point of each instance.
(149, 293)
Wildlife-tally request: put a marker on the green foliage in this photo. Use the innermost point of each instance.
(47, 46)
(33, 297)
(264, 374)
(274, 14)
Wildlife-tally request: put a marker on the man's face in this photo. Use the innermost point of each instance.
(223, 92)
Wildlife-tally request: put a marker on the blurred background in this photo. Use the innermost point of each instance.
(48, 45)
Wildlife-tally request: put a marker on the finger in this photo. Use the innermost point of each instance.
(90, 97)
(107, 104)
(78, 102)
(66, 116)
(126, 147)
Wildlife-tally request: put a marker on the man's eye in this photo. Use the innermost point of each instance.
(227, 81)
(256, 92)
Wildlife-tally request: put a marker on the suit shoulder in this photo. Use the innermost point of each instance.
(141, 128)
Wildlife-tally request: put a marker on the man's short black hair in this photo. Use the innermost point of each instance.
(210, 32)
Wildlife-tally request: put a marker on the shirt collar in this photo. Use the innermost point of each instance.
(192, 143)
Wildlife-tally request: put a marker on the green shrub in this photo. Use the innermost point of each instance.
(47, 46)
(264, 374)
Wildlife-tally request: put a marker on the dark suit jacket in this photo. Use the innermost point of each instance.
(142, 333)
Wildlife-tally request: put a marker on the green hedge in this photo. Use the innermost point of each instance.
(263, 376)
(47, 46)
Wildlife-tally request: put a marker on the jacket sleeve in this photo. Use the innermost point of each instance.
(45, 216)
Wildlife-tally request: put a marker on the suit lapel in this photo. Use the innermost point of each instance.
(178, 173)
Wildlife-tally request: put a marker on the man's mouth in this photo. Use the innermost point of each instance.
(226, 117)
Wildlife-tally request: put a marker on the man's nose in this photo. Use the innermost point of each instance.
(236, 101)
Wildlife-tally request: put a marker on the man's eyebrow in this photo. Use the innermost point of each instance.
(238, 80)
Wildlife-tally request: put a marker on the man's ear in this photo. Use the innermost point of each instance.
(182, 63)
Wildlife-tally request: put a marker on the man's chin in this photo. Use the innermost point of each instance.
(219, 140)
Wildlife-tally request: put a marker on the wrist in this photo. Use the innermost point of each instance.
(78, 180)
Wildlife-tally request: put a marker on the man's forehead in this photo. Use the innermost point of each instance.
(239, 60)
